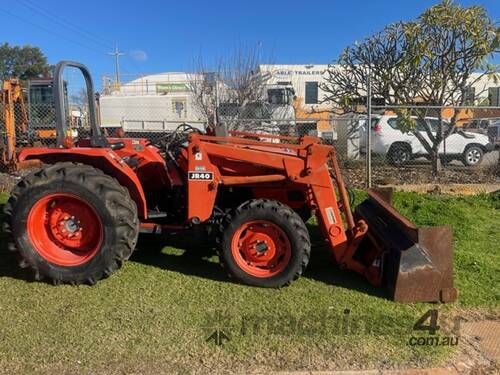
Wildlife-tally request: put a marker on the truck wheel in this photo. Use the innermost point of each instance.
(399, 154)
(473, 155)
(71, 223)
(264, 243)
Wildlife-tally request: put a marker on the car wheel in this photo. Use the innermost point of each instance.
(399, 154)
(473, 155)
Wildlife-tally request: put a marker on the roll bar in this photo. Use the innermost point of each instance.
(97, 139)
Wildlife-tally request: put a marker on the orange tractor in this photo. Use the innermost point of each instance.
(77, 219)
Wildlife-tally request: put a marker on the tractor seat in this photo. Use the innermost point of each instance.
(117, 145)
(100, 141)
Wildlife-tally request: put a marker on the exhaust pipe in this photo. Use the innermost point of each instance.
(414, 264)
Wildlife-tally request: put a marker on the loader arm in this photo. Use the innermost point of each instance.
(305, 163)
(415, 264)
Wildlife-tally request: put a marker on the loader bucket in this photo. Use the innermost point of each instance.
(415, 264)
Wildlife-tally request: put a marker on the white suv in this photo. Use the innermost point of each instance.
(399, 148)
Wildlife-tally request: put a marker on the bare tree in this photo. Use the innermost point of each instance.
(202, 87)
(432, 61)
(235, 80)
(241, 77)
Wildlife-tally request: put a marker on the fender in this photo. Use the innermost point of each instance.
(101, 158)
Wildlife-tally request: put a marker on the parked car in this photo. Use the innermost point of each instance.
(400, 148)
(486, 126)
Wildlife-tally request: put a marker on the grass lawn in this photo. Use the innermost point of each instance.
(156, 313)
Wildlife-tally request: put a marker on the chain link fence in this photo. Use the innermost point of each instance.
(468, 155)
(466, 159)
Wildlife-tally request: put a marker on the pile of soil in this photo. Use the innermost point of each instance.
(355, 176)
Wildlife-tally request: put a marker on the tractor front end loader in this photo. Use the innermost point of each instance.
(77, 219)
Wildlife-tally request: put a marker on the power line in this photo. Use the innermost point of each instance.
(81, 32)
(51, 32)
(85, 34)
(77, 29)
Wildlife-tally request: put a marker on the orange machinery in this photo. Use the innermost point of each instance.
(12, 96)
(78, 218)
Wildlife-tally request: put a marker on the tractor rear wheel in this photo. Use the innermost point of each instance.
(264, 243)
(71, 223)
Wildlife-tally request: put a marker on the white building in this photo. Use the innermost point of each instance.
(485, 89)
(155, 102)
(307, 79)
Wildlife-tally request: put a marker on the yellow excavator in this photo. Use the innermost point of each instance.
(12, 103)
(16, 129)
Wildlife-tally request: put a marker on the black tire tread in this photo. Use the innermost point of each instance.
(118, 202)
(284, 211)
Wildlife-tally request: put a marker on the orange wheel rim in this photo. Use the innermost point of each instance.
(261, 248)
(64, 229)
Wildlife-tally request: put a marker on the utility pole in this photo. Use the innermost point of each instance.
(117, 55)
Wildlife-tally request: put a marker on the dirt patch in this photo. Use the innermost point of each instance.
(7, 181)
(453, 189)
(487, 334)
(355, 176)
(479, 348)
(426, 371)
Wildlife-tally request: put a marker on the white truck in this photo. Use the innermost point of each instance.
(147, 115)
(274, 113)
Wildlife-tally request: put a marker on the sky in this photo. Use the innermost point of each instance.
(164, 35)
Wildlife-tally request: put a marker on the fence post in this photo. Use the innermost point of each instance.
(216, 89)
(369, 130)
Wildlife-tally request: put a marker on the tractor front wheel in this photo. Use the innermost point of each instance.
(71, 223)
(264, 243)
